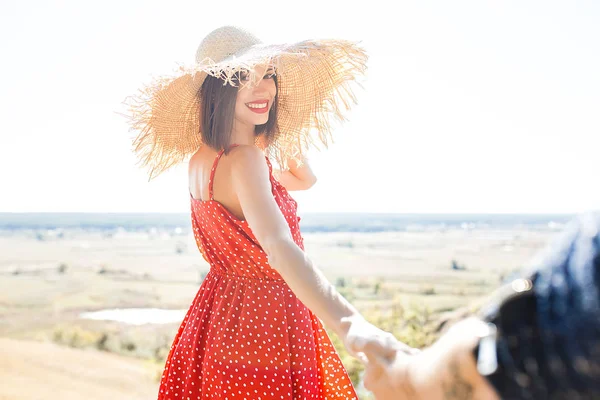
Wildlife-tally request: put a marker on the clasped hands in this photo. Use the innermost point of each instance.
(395, 371)
(386, 360)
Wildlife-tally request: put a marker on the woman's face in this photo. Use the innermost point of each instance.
(254, 101)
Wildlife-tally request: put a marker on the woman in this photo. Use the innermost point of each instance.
(251, 332)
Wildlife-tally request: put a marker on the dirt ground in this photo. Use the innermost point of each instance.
(36, 370)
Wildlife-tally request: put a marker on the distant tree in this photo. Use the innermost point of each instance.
(101, 342)
(377, 287)
(457, 267)
(128, 345)
(180, 248)
(62, 268)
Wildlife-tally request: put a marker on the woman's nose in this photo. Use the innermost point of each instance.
(264, 86)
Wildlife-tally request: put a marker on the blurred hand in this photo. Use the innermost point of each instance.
(362, 335)
(389, 379)
(397, 372)
(387, 363)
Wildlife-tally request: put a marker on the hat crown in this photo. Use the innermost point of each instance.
(225, 42)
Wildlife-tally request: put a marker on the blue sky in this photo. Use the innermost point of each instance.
(470, 106)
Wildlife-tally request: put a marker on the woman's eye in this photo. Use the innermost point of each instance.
(243, 76)
(270, 75)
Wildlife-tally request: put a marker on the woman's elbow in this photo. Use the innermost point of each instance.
(278, 249)
(309, 182)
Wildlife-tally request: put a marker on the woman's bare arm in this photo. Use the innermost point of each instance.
(250, 178)
(297, 177)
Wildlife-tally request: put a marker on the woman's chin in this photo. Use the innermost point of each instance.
(255, 119)
(260, 121)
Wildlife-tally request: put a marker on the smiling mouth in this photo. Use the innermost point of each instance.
(258, 106)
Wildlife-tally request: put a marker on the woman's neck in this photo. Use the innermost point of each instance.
(242, 133)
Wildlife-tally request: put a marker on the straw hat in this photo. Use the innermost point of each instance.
(314, 79)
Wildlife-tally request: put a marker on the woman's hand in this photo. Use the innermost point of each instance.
(299, 176)
(362, 337)
(387, 361)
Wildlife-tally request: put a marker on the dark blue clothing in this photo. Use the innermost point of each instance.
(549, 342)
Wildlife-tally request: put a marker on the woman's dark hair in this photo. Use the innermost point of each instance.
(218, 111)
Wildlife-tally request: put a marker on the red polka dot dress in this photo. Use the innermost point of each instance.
(246, 335)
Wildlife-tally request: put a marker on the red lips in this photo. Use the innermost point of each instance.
(259, 107)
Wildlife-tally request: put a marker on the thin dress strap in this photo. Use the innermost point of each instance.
(212, 172)
(270, 166)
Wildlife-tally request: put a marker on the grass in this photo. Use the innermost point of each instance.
(411, 323)
(405, 283)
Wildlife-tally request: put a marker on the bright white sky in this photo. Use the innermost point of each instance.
(469, 106)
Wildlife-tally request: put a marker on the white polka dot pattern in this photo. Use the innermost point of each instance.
(246, 335)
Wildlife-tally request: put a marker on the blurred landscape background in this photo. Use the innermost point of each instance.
(475, 138)
(89, 303)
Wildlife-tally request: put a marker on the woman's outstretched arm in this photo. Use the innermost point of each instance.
(250, 178)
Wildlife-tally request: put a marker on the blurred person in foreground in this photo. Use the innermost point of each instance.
(538, 339)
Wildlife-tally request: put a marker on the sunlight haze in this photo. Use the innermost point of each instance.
(467, 107)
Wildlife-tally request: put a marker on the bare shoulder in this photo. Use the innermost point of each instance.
(248, 161)
(246, 152)
(252, 186)
(201, 156)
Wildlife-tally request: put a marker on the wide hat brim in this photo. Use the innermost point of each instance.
(315, 86)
